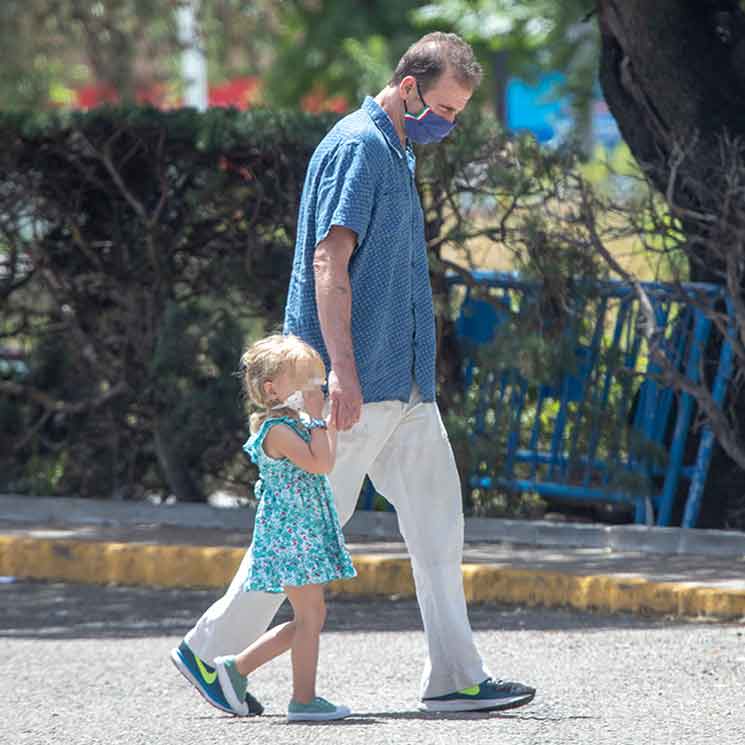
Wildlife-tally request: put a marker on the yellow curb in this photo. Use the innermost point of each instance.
(200, 566)
(93, 562)
(600, 592)
(377, 575)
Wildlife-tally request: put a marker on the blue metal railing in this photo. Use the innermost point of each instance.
(552, 436)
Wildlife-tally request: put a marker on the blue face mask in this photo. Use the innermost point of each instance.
(426, 127)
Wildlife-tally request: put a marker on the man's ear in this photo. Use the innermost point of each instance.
(407, 86)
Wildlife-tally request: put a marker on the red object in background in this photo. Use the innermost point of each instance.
(239, 92)
(95, 95)
(317, 101)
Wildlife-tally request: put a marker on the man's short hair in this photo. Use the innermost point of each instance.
(428, 58)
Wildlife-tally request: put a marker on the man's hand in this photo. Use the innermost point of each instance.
(346, 400)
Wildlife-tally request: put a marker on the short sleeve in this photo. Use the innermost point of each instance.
(254, 446)
(249, 448)
(345, 192)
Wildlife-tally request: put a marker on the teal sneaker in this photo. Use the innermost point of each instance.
(318, 710)
(233, 684)
(491, 695)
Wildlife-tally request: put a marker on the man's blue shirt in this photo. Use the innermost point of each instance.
(362, 178)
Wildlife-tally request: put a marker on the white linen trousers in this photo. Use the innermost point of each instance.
(405, 450)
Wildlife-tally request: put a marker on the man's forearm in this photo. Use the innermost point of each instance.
(334, 303)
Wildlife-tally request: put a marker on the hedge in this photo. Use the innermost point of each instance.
(139, 249)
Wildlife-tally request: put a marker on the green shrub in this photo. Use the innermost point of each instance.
(139, 250)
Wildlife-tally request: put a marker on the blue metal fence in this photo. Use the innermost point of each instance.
(603, 429)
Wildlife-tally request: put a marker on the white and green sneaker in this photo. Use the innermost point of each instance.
(233, 684)
(318, 710)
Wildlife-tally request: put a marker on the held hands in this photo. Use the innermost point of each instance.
(346, 400)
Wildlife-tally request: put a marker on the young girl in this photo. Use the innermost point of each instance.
(297, 544)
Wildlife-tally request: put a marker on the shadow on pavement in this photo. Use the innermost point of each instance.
(378, 717)
(466, 716)
(44, 610)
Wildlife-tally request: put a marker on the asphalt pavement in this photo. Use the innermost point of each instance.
(87, 664)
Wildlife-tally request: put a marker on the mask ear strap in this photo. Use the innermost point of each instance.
(418, 92)
(421, 97)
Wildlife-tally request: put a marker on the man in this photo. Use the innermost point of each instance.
(360, 294)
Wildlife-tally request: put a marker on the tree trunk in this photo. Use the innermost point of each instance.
(176, 471)
(672, 71)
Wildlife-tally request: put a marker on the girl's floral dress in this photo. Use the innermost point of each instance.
(297, 537)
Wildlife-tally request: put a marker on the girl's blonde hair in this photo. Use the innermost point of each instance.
(265, 360)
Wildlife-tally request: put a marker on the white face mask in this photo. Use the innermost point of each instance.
(295, 400)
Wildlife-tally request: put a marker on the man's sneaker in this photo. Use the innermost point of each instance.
(318, 710)
(205, 679)
(491, 695)
(254, 707)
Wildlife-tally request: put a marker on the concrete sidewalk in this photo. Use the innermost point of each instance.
(134, 544)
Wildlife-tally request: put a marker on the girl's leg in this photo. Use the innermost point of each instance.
(310, 614)
(239, 617)
(269, 645)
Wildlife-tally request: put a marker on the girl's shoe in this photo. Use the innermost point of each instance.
(233, 684)
(318, 710)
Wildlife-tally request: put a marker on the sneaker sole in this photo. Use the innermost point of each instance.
(239, 707)
(183, 668)
(318, 717)
(479, 705)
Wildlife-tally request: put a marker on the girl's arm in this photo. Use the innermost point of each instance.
(331, 433)
(316, 456)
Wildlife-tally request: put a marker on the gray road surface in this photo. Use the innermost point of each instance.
(89, 665)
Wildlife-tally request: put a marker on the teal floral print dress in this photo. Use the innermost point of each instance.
(297, 537)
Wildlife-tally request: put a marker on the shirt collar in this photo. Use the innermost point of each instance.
(383, 122)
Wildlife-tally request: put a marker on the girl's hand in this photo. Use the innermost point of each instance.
(331, 422)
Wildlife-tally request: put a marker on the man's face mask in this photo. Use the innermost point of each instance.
(426, 126)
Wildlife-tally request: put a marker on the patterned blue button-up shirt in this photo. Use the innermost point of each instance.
(362, 178)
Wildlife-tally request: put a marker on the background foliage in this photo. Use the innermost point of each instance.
(139, 249)
(319, 53)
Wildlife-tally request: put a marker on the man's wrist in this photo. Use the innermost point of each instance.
(344, 369)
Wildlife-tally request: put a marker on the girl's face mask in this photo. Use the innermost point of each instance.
(295, 400)
(426, 126)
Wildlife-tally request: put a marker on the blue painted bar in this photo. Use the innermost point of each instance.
(685, 408)
(623, 310)
(701, 469)
(513, 440)
(567, 492)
